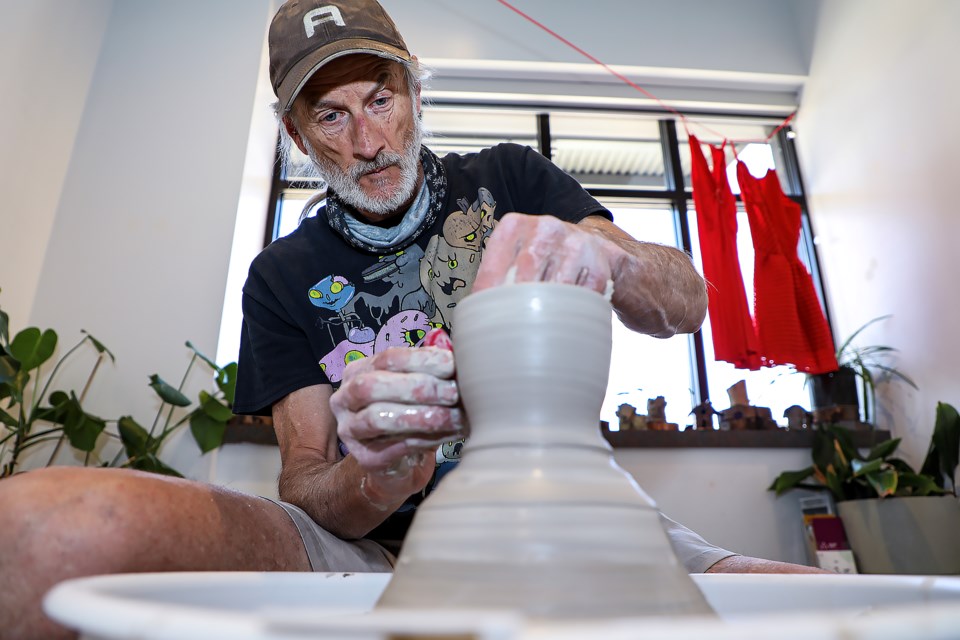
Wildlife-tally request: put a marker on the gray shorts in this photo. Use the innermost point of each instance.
(327, 552)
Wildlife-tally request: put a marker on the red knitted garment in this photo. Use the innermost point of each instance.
(734, 337)
(791, 327)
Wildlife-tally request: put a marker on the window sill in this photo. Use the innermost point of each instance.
(259, 430)
(772, 439)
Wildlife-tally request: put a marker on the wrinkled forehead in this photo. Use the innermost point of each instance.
(349, 69)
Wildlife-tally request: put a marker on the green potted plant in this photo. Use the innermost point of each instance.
(897, 520)
(858, 366)
(33, 412)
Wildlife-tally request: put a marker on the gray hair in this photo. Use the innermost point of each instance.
(417, 76)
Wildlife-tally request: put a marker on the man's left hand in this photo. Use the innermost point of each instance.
(525, 248)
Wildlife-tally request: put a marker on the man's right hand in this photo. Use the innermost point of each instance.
(393, 410)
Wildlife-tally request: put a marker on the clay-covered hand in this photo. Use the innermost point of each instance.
(393, 410)
(525, 248)
(656, 290)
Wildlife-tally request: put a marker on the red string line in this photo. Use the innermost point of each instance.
(667, 107)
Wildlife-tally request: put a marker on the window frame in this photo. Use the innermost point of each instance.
(676, 193)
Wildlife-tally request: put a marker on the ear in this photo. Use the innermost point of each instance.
(294, 134)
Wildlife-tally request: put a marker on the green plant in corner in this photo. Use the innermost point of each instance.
(838, 466)
(36, 414)
(869, 363)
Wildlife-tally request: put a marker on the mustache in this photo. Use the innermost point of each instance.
(383, 160)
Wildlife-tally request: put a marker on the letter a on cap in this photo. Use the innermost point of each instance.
(328, 13)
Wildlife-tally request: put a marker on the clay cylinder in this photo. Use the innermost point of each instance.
(538, 517)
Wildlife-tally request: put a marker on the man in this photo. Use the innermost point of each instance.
(401, 239)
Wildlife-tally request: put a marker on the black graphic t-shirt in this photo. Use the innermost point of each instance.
(317, 299)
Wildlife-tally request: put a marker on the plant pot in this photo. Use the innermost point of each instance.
(837, 388)
(904, 535)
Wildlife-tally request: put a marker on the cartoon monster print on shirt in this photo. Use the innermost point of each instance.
(401, 271)
(470, 227)
(359, 344)
(406, 329)
(451, 260)
(334, 293)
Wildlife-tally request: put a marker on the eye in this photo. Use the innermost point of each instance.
(452, 264)
(471, 237)
(352, 355)
(430, 273)
(330, 117)
(414, 336)
(382, 101)
(336, 287)
(315, 294)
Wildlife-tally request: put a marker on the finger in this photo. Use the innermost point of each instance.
(386, 386)
(501, 252)
(385, 419)
(583, 261)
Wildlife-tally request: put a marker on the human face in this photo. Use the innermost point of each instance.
(362, 132)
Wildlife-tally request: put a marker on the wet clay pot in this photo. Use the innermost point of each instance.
(538, 517)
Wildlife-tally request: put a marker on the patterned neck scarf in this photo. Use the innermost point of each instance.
(419, 217)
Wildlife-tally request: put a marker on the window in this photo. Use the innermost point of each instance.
(638, 165)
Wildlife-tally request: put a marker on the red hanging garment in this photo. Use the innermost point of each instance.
(790, 323)
(734, 337)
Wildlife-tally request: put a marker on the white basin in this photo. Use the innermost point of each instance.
(286, 606)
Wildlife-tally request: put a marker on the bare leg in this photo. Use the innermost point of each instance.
(66, 522)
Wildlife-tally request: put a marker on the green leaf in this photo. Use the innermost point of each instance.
(98, 345)
(82, 428)
(8, 420)
(167, 393)
(200, 355)
(845, 444)
(207, 431)
(823, 449)
(884, 449)
(833, 482)
(136, 440)
(4, 327)
(153, 464)
(913, 484)
(944, 453)
(789, 480)
(227, 381)
(853, 336)
(214, 408)
(862, 468)
(60, 409)
(8, 369)
(883, 482)
(33, 348)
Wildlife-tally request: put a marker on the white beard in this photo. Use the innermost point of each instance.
(346, 183)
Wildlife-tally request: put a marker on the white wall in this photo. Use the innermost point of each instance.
(143, 228)
(878, 136)
(48, 50)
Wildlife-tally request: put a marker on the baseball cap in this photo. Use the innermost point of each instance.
(307, 34)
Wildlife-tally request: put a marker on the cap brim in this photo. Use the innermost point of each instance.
(302, 72)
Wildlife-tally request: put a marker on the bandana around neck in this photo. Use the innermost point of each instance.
(420, 216)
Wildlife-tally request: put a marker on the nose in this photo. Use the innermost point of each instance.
(368, 138)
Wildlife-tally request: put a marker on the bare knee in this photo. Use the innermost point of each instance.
(66, 520)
